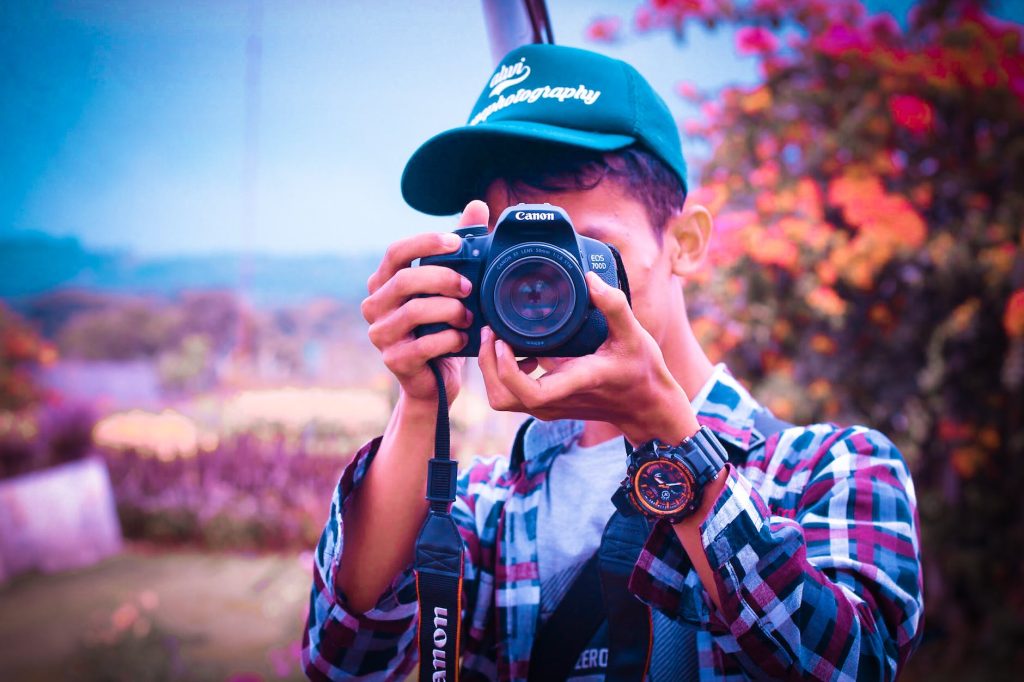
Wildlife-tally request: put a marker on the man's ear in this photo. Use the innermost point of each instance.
(690, 232)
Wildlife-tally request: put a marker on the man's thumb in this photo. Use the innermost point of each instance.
(475, 213)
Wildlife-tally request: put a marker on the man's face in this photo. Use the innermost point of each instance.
(607, 214)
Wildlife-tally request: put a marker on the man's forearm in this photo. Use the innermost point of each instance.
(672, 421)
(385, 513)
(688, 532)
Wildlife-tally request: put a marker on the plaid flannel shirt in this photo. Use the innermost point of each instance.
(813, 543)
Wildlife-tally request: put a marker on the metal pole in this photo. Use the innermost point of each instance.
(511, 23)
(250, 168)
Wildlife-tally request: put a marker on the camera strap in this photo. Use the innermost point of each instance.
(438, 559)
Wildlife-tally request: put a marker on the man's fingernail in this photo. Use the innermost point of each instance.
(499, 347)
(452, 240)
(465, 286)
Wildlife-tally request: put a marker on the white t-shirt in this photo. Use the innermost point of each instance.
(574, 508)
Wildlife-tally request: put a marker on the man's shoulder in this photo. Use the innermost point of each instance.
(830, 435)
(826, 445)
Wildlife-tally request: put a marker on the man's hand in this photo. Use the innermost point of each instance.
(394, 308)
(380, 534)
(625, 383)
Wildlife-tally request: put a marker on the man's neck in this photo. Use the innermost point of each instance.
(686, 361)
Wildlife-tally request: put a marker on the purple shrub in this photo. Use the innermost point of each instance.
(243, 495)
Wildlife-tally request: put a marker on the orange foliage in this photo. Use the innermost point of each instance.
(823, 344)
(819, 389)
(1013, 316)
(758, 100)
(775, 250)
(808, 199)
(827, 301)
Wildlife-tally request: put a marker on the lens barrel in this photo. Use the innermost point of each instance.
(535, 296)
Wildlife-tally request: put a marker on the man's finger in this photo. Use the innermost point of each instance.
(401, 254)
(426, 279)
(400, 323)
(612, 302)
(498, 394)
(410, 356)
(533, 393)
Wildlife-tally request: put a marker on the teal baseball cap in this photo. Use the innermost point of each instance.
(542, 95)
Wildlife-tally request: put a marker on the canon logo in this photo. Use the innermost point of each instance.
(440, 639)
(530, 215)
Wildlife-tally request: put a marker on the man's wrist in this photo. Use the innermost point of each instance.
(412, 414)
(671, 418)
(416, 406)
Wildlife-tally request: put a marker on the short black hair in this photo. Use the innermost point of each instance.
(563, 169)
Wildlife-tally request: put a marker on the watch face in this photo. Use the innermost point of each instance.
(664, 487)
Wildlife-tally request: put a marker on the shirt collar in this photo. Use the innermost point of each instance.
(722, 404)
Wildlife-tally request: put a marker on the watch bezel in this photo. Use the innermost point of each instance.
(655, 450)
(642, 502)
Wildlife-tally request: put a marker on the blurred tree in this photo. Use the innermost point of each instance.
(122, 331)
(213, 314)
(867, 265)
(189, 367)
(50, 311)
(28, 440)
(21, 351)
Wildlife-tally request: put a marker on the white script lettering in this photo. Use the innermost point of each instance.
(507, 76)
(531, 96)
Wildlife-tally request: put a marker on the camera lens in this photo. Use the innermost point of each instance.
(534, 296)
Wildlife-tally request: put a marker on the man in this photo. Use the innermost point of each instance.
(800, 561)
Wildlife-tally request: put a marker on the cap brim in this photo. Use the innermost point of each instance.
(443, 175)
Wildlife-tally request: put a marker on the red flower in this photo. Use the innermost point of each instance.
(643, 19)
(680, 7)
(883, 26)
(838, 39)
(604, 29)
(687, 90)
(769, 7)
(912, 113)
(755, 40)
(1013, 316)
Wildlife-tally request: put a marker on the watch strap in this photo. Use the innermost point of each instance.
(621, 500)
(703, 454)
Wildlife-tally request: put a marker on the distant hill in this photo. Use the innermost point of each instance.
(38, 263)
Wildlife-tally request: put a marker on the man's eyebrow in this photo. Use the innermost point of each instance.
(597, 231)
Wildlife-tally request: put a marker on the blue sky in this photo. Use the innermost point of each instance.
(124, 121)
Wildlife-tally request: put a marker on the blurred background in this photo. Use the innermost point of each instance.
(193, 194)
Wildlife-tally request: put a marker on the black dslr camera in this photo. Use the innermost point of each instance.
(528, 283)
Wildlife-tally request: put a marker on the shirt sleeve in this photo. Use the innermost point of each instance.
(827, 588)
(380, 644)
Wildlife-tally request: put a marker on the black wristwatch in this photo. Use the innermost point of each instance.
(666, 481)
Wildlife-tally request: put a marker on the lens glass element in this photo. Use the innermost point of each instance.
(534, 296)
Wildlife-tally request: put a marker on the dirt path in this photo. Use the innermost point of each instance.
(144, 615)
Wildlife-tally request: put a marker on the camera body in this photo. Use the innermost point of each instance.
(528, 283)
